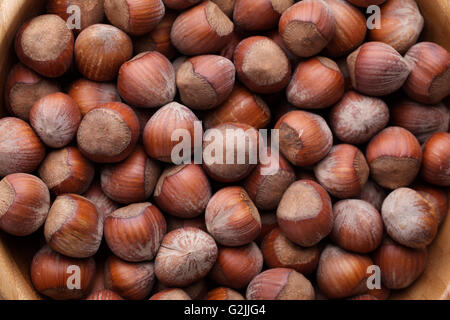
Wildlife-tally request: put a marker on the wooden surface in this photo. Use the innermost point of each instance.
(16, 254)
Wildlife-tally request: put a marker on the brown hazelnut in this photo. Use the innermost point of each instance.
(100, 50)
(436, 159)
(237, 266)
(268, 223)
(183, 191)
(409, 218)
(437, 197)
(108, 133)
(45, 44)
(104, 295)
(171, 294)
(174, 223)
(317, 83)
(232, 218)
(66, 171)
(180, 4)
(223, 293)
(105, 206)
(132, 180)
(343, 172)
(23, 88)
(250, 58)
(204, 82)
(373, 194)
(227, 6)
(305, 138)
(24, 204)
(304, 213)
(280, 284)
(357, 118)
(186, 256)
(394, 157)
(134, 233)
(257, 15)
(74, 227)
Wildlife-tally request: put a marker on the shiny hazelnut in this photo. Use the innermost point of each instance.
(280, 284)
(237, 266)
(409, 218)
(45, 44)
(232, 218)
(24, 204)
(304, 213)
(74, 227)
(307, 27)
(343, 172)
(134, 233)
(206, 81)
(317, 83)
(356, 118)
(104, 295)
(436, 159)
(66, 171)
(23, 88)
(438, 198)
(250, 58)
(171, 294)
(105, 206)
(183, 191)
(223, 293)
(147, 80)
(394, 157)
(268, 13)
(132, 180)
(100, 50)
(201, 29)
(55, 118)
(108, 133)
(133, 281)
(186, 256)
(373, 194)
(20, 148)
(51, 272)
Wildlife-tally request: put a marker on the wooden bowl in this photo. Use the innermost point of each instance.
(16, 253)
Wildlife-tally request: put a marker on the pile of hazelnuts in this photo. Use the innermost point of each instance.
(362, 116)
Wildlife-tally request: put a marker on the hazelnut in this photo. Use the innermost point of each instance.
(373, 194)
(228, 50)
(305, 138)
(132, 180)
(74, 227)
(195, 291)
(307, 27)
(20, 148)
(357, 226)
(147, 80)
(105, 206)
(268, 223)
(183, 191)
(280, 252)
(241, 106)
(227, 6)
(317, 83)
(377, 69)
(394, 157)
(174, 223)
(436, 159)
(135, 17)
(201, 29)
(400, 266)
(55, 118)
(342, 274)
(180, 4)
(134, 233)
(381, 294)
(357, 118)
(108, 133)
(104, 295)
(250, 58)
(236, 267)
(89, 94)
(437, 197)
(51, 272)
(133, 281)
(400, 24)
(409, 218)
(280, 284)
(204, 82)
(45, 44)
(428, 81)
(223, 293)
(24, 204)
(304, 213)
(186, 256)
(23, 88)
(66, 171)
(276, 37)
(171, 294)
(232, 218)
(100, 50)
(160, 128)
(257, 15)
(343, 172)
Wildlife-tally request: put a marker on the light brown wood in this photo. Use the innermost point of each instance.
(16, 254)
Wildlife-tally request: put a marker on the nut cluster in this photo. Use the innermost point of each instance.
(135, 152)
